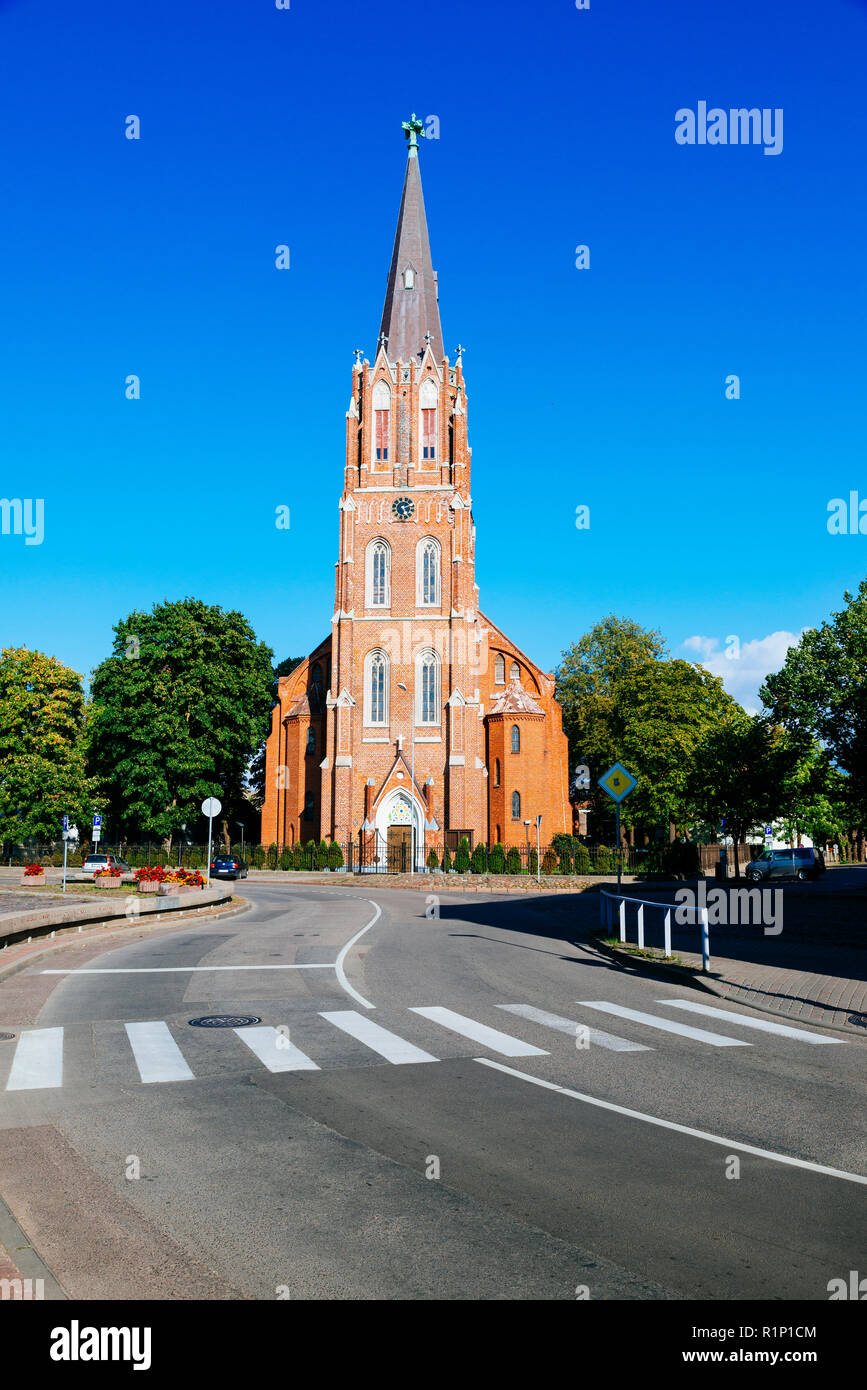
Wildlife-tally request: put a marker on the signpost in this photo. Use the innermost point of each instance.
(210, 807)
(618, 783)
(65, 847)
(97, 827)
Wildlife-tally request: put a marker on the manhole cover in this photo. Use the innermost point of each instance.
(6, 1037)
(225, 1021)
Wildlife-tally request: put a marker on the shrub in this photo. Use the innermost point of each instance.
(513, 861)
(478, 860)
(259, 857)
(534, 862)
(433, 862)
(583, 862)
(320, 857)
(550, 863)
(286, 857)
(603, 858)
(446, 865)
(298, 859)
(497, 860)
(564, 857)
(562, 843)
(335, 856)
(272, 856)
(462, 856)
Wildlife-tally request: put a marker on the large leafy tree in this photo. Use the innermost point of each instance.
(744, 772)
(42, 774)
(663, 713)
(177, 712)
(820, 693)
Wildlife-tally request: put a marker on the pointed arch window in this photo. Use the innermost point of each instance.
(428, 572)
(316, 674)
(428, 688)
(381, 422)
(499, 669)
(516, 805)
(309, 802)
(428, 398)
(497, 775)
(378, 574)
(311, 742)
(514, 672)
(516, 739)
(376, 688)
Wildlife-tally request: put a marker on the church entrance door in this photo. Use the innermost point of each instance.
(399, 848)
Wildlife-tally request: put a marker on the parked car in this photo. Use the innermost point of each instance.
(103, 861)
(786, 863)
(228, 866)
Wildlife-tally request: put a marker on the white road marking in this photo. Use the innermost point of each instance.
(38, 1061)
(667, 1025)
(479, 1032)
(766, 1026)
(275, 1049)
(388, 1045)
(156, 1053)
(570, 1026)
(180, 969)
(678, 1129)
(341, 975)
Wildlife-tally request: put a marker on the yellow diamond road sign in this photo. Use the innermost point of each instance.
(617, 782)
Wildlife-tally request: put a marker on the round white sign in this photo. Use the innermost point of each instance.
(211, 806)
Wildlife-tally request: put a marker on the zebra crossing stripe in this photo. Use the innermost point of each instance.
(156, 1053)
(275, 1050)
(480, 1033)
(744, 1021)
(38, 1061)
(666, 1025)
(571, 1026)
(377, 1038)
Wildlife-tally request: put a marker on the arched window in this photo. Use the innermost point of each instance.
(499, 669)
(316, 674)
(428, 397)
(514, 672)
(311, 742)
(516, 805)
(376, 688)
(428, 687)
(427, 560)
(496, 774)
(378, 575)
(381, 422)
(308, 806)
(516, 739)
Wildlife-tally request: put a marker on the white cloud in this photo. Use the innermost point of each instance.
(742, 665)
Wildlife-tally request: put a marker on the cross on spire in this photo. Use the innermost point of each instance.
(460, 350)
(412, 129)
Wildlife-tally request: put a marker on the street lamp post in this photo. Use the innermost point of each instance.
(240, 824)
(401, 685)
(538, 850)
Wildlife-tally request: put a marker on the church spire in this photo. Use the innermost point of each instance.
(411, 310)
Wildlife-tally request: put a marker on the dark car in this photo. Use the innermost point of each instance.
(228, 866)
(786, 863)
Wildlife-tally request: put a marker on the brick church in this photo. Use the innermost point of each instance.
(417, 720)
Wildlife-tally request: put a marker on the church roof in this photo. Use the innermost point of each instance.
(515, 700)
(410, 313)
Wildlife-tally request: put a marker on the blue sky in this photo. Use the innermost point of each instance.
(602, 387)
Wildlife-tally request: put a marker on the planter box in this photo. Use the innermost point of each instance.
(32, 880)
(171, 889)
(148, 885)
(107, 882)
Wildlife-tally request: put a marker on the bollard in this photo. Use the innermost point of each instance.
(668, 931)
(641, 926)
(705, 941)
(622, 914)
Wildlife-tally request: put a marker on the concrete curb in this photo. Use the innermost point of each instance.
(71, 937)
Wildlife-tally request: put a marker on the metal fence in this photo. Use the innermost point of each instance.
(373, 853)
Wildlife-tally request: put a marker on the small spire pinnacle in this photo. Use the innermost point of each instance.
(412, 129)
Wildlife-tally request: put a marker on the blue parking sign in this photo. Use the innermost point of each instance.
(97, 821)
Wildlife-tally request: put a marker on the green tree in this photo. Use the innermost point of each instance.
(177, 711)
(820, 693)
(42, 769)
(497, 859)
(743, 774)
(462, 856)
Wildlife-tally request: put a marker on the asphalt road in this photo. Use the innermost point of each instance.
(330, 1159)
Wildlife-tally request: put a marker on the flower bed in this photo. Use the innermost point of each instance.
(107, 878)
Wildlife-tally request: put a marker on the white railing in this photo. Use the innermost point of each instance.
(606, 917)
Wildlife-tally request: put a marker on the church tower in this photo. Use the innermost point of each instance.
(383, 737)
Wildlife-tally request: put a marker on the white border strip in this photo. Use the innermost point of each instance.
(670, 1124)
(341, 974)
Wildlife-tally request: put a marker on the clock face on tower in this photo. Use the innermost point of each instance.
(402, 508)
